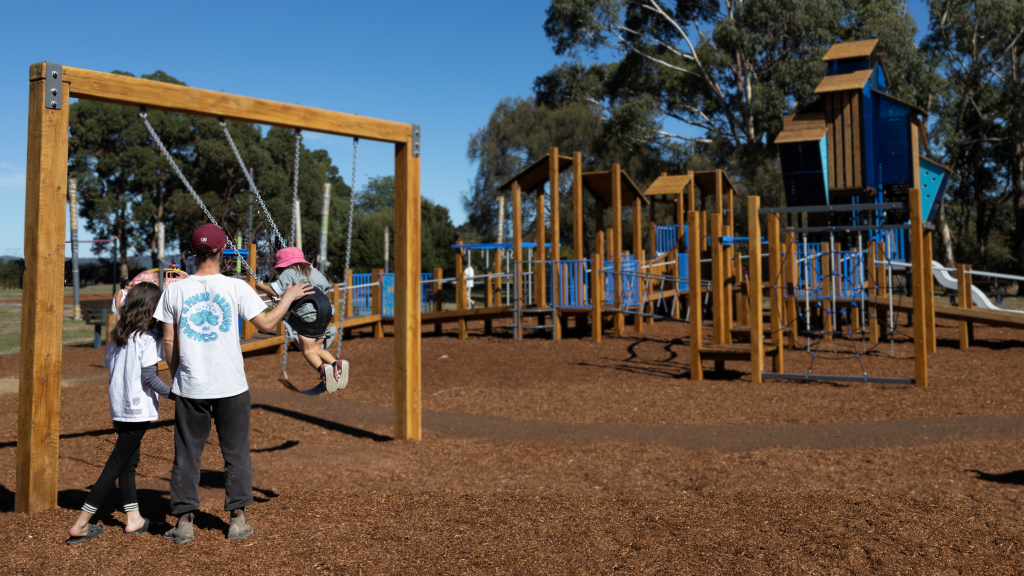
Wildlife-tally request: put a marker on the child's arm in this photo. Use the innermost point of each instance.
(170, 346)
(153, 382)
(266, 289)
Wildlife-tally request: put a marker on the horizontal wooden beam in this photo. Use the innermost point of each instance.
(118, 89)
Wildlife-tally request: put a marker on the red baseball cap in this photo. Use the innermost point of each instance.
(208, 238)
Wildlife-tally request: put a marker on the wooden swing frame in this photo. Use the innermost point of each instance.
(45, 202)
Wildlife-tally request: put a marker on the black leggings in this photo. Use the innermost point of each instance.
(121, 467)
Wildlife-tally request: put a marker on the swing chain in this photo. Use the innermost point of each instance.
(295, 184)
(195, 196)
(348, 244)
(252, 184)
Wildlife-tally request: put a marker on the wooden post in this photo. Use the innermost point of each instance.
(539, 295)
(719, 203)
(883, 286)
(556, 238)
(438, 299)
(377, 295)
(920, 276)
(728, 282)
(577, 206)
(963, 294)
(596, 293)
(929, 291)
(248, 330)
(756, 304)
(407, 290)
(696, 313)
(728, 207)
(652, 239)
(461, 297)
(776, 285)
(517, 248)
(488, 302)
(617, 246)
(828, 316)
(872, 289)
(42, 311)
(350, 305)
(717, 281)
(792, 276)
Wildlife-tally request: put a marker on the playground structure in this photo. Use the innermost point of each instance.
(853, 173)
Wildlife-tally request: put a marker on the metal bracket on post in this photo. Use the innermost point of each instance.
(416, 140)
(54, 86)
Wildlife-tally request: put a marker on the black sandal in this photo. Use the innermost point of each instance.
(92, 531)
(146, 527)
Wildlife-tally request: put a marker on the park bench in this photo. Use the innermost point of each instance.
(98, 318)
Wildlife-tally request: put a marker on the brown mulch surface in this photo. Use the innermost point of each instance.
(335, 494)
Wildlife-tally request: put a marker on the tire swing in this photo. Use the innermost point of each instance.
(294, 324)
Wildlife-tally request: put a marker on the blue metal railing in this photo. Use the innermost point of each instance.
(666, 238)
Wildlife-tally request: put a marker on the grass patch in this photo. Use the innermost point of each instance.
(75, 331)
(14, 294)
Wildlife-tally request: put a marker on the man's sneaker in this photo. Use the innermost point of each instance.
(183, 531)
(238, 528)
(337, 378)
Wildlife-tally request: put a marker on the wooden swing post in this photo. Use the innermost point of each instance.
(50, 88)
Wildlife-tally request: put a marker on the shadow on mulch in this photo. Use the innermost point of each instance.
(987, 344)
(1016, 477)
(103, 432)
(325, 424)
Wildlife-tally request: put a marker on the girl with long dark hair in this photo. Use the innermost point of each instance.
(135, 389)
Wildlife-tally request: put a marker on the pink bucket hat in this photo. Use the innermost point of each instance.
(288, 256)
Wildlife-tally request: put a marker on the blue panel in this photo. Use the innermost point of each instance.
(934, 178)
(878, 78)
(666, 238)
(891, 159)
(823, 149)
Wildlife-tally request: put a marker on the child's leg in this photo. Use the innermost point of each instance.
(314, 354)
(126, 445)
(126, 481)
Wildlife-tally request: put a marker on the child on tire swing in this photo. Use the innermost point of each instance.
(310, 315)
(135, 389)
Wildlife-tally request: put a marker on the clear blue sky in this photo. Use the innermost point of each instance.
(443, 65)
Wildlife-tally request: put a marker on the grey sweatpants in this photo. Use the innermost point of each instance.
(192, 419)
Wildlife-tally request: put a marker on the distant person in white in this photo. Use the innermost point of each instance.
(201, 345)
(468, 274)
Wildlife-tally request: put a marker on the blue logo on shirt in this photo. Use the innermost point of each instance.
(210, 313)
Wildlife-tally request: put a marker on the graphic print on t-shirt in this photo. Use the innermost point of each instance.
(203, 315)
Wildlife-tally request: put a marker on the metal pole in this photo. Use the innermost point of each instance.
(160, 253)
(324, 220)
(807, 293)
(75, 281)
(833, 273)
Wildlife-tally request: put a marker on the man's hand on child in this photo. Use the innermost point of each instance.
(296, 291)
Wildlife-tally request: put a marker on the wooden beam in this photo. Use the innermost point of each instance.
(517, 246)
(717, 279)
(756, 303)
(596, 293)
(42, 312)
(577, 206)
(963, 293)
(918, 274)
(929, 292)
(407, 293)
(118, 89)
(693, 298)
(377, 295)
(461, 297)
(776, 284)
(617, 245)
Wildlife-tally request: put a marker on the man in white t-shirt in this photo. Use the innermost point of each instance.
(204, 354)
(468, 273)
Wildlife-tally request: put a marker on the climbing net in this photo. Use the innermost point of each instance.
(836, 300)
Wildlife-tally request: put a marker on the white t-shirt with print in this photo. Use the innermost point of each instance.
(205, 310)
(130, 401)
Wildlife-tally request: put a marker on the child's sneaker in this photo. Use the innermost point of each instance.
(338, 376)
